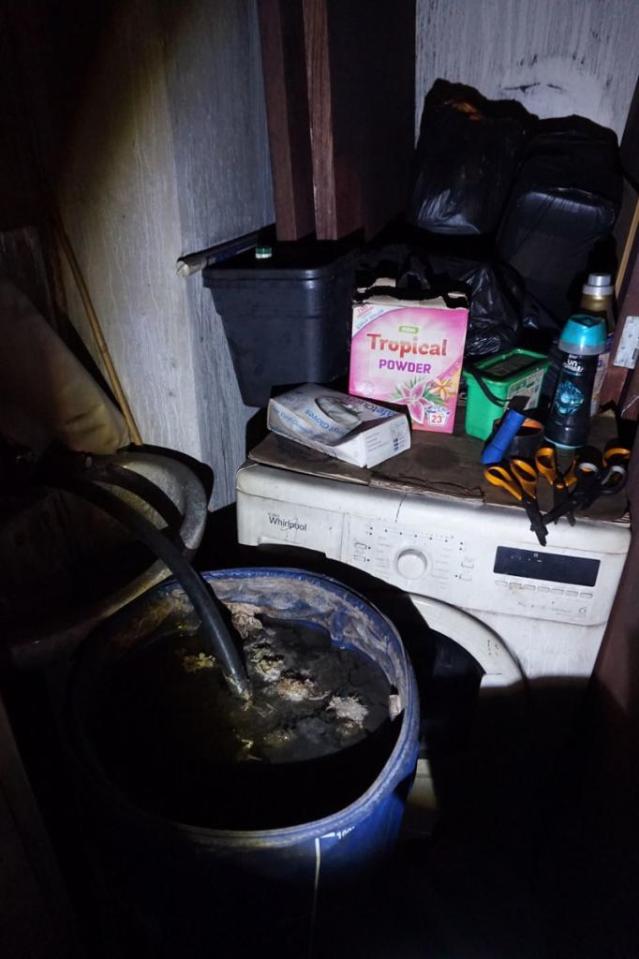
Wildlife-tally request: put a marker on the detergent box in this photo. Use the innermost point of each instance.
(346, 427)
(409, 352)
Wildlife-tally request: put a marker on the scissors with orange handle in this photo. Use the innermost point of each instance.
(562, 483)
(519, 478)
(598, 474)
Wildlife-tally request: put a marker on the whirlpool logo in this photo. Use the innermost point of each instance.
(282, 523)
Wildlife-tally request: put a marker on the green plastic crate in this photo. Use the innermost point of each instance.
(514, 373)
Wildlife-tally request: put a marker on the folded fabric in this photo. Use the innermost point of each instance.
(46, 394)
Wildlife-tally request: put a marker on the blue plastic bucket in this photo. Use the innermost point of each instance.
(190, 890)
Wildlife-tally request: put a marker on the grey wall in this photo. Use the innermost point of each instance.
(164, 152)
(555, 56)
(223, 176)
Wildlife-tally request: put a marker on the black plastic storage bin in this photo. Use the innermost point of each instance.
(287, 318)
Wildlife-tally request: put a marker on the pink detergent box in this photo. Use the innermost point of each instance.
(409, 352)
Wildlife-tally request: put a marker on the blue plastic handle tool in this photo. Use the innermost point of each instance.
(496, 448)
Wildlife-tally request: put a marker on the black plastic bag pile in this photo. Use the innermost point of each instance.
(540, 195)
(467, 154)
(499, 304)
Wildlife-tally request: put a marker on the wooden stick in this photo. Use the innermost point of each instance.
(98, 335)
(627, 247)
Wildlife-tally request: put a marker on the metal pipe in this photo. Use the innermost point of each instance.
(194, 262)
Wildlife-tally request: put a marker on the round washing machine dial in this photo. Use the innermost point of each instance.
(411, 563)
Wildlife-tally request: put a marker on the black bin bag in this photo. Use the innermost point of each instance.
(501, 311)
(466, 157)
(564, 202)
(501, 308)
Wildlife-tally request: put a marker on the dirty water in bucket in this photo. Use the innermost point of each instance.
(313, 737)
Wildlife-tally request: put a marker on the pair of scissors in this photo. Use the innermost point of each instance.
(519, 478)
(597, 475)
(562, 483)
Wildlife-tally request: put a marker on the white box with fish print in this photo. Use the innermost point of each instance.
(345, 427)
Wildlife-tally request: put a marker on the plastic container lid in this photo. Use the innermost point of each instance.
(315, 259)
(583, 334)
(598, 284)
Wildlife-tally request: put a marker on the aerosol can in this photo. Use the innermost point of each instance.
(597, 298)
(582, 340)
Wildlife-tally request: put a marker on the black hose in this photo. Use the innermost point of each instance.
(214, 629)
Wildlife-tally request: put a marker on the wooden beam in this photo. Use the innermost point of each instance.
(360, 59)
(630, 141)
(319, 86)
(284, 69)
(621, 386)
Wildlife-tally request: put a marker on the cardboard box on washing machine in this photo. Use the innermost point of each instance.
(409, 352)
(345, 427)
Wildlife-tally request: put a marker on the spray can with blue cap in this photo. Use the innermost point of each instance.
(581, 341)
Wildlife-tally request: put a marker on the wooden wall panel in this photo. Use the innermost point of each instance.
(217, 115)
(630, 141)
(118, 198)
(621, 385)
(222, 416)
(215, 94)
(557, 58)
(153, 135)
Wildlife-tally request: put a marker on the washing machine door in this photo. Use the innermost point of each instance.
(500, 667)
(461, 738)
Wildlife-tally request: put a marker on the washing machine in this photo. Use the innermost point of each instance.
(473, 570)
(531, 617)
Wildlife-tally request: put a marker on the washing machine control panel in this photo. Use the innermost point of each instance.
(479, 573)
(389, 550)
